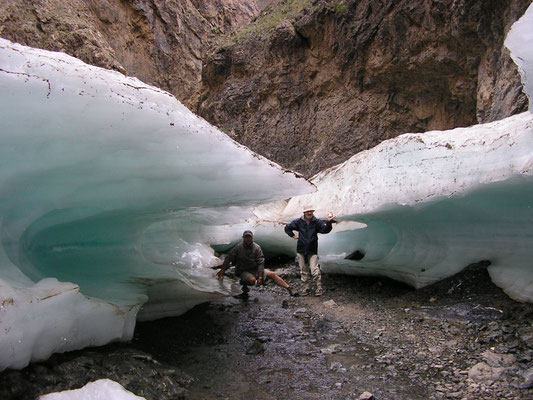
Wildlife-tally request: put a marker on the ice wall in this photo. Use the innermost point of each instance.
(107, 186)
(432, 204)
(519, 42)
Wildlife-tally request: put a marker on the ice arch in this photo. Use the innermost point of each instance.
(92, 161)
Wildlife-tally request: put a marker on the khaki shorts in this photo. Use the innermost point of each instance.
(245, 275)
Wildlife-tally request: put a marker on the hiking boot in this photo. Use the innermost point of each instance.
(319, 292)
(306, 292)
(293, 292)
(242, 296)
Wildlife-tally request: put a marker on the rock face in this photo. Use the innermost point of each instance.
(341, 76)
(160, 42)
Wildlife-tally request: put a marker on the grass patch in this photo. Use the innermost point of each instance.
(265, 23)
(339, 7)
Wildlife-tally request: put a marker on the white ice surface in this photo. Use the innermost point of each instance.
(520, 42)
(102, 389)
(415, 168)
(433, 203)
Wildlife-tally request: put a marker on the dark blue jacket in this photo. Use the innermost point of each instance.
(308, 233)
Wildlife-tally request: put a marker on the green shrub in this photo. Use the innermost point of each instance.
(264, 24)
(339, 7)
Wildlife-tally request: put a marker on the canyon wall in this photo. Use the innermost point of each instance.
(341, 76)
(160, 42)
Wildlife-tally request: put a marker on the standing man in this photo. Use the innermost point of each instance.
(250, 266)
(308, 228)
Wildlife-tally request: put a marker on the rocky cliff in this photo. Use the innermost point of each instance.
(307, 83)
(160, 42)
(338, 77)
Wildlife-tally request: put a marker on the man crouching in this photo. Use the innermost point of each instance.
(249, 262)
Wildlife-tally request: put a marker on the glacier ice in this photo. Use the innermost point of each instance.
(105, 185)
(97, 390)
(431, 204)
(518, 41)
(113, 197)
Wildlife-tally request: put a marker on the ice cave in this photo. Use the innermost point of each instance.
(114, 198)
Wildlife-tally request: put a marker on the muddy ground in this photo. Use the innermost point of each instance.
(462, 338)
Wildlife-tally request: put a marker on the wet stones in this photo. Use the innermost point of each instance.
(367, 342)
(137, 371)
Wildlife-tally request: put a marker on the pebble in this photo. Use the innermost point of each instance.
(528, 379)
(484, 373)
(498, 360)
(256, 348)
(330, 303)
(335, 366)
(331, 349)
(454, 395)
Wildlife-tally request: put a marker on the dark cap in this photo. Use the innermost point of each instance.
(247, 233)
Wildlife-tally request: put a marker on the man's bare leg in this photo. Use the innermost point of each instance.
(280, 282)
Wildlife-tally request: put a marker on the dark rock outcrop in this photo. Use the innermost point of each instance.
(160, 42)
(339, 77)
